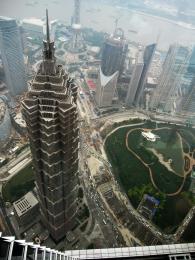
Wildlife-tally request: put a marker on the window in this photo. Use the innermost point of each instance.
(30, 253)
(18, 251)
(47, 255)
(4, 249)
(39, 254)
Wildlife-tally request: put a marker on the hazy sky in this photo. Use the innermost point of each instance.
(101, 17)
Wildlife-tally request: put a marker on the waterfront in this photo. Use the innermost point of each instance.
(102, 17)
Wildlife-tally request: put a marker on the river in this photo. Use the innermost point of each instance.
(102, 17)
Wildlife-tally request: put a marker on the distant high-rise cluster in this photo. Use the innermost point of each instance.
(12, 56)
(139, 76)
(168, 94)
(50, 112)
(112, 65)
(114, 53)
(105, 91)
(77, 40)
(135, 78)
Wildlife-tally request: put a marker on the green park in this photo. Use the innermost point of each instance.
(19, 184)
(161, 168)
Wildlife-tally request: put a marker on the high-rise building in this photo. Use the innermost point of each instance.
(135, 78)
(50, 112)
(167, 95)
(114, 53)
(12, 56)
(106, 89)
(188, 102)
(77, 39)
(188, 88)
(112, 65)
(147, 59)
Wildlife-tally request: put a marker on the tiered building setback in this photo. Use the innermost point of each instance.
(50, 112)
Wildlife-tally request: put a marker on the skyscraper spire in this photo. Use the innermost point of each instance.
(48, 65)
(53, 135)
(47, 28)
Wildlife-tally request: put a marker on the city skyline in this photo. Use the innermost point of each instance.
(100, 144)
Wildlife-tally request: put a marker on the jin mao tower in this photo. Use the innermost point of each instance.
(50, 112)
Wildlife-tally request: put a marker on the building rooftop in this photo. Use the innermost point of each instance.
(76, 26)
(105, 79)
(34, 21)
(25, 203)
(4, 18)
(149, 136)
(91, 84)
(151, 80)
(19, 120)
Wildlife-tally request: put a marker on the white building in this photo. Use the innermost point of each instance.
(106, 88)
(26, 208)
(34, 27)
(149, 136)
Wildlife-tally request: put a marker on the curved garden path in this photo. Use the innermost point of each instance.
(146, 165)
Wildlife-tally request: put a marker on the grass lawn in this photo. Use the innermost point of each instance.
(132, 173)
(19, 185)
(129, 171)
(165, 180)
(170, 146)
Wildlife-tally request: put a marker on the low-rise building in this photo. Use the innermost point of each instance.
(26, 208)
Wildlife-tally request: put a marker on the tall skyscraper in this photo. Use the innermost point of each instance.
(50, 112)
(188, 102)
(113, 53)
(188, 88)
(106, 89)
(166, 96)
(77, 39)
(12, 56)
(112, 65)
(135, 78)
(147, 59)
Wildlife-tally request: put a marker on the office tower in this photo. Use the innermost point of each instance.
(114, 53)
(188, 88)
(147, 59)
(167, 95)
(135, 78)
(188, 102)
(10, 248)
(50, 112)
(106, 89)
(77, 39)
(191, 66)
(12, 56)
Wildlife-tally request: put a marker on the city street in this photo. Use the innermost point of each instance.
(4, 176)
